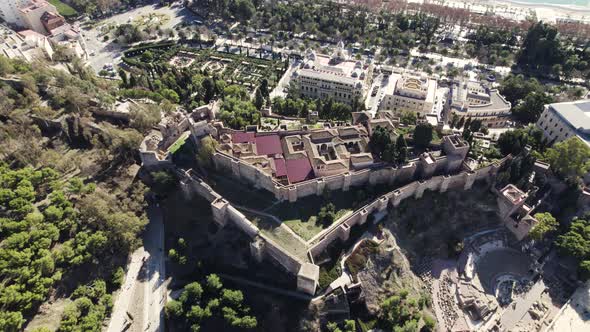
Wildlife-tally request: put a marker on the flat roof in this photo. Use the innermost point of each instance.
(575, 113)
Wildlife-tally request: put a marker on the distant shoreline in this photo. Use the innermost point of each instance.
(572, 10)
(545, 11)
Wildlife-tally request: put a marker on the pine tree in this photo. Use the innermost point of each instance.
(401, 148)
(259, 100)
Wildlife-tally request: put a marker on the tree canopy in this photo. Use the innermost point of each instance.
(546, 223)
(203, 309)
(576, 242)
(570, 158)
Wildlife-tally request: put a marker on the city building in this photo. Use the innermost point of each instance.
(476, 101)
(560, 121)
(52, 20)
(32, 13)
(295, 158)
(28, 45)
(338, 77)
(409, 92)
(9, 11)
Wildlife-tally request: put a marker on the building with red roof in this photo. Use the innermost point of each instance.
(299, 170)
(243, 137)
(267, 145)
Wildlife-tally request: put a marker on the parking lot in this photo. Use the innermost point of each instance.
(101, 52)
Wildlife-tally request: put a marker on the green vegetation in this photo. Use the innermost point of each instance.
(517, 171)
(347, 326)
(178, 144)
(327, 109)
(204, 77)
(395, 31)
(514, 141)
(92, 304)
(306, 218)
(46, 236)
(402, 313)
(570, 159)
(546, 223)
(210, 308)
(492, 44)
(329, 273)
(206, 151)
(358, 259)
(60, 232)
(63, 9)
(543, 51)
(382, 145)
(423, 134)
(576, 242)
(237, 110)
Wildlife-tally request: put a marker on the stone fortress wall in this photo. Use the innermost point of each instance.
(426, 172)
(223, 212)
(263, 247)
(341, 228)
(421, 168)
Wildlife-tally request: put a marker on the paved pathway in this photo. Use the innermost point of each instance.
(144, 291)
(119, 318)
(517, 309)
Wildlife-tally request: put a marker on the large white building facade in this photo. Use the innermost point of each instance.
(474, 100)
(560, 121)
(410, 92)
(9, 11)
(336, 77)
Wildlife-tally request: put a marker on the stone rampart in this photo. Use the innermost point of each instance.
(380, 175)
(224, 212)
(341, 228)
(278, 255)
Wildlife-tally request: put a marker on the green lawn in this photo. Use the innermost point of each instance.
(64, 9)
(301, 216)
(279, 235)
(177, 145)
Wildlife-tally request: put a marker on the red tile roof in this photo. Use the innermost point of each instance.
(241, 137)
(268, 145)
(280, 167)
(299, 170)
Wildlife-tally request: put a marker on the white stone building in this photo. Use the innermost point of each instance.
(336, 76)
(560, 121)
(32, 12)
(410, 92)
(27, 45)
(474, 100)
(9, 11)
